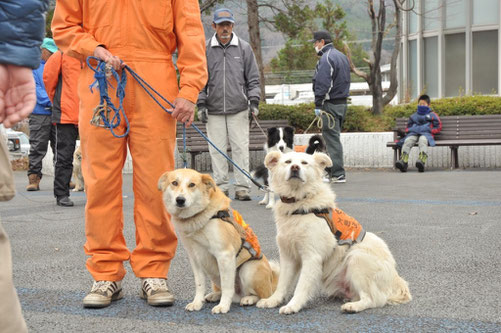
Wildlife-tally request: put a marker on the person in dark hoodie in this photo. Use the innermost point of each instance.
(331, 86)
(421, 128)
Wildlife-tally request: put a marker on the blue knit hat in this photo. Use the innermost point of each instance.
(48, 43)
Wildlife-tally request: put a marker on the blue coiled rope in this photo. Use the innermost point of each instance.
(105, 102)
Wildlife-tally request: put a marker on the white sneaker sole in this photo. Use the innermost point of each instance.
(103, 303)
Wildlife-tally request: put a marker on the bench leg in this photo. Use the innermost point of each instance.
(454, 158)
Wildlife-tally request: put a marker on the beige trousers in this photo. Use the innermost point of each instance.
(11, 318)
(235, 129)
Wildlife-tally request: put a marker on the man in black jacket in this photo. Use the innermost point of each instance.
(331, 85)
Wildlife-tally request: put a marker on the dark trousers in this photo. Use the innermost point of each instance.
(41, 132)
(332, 136)
(66, 137)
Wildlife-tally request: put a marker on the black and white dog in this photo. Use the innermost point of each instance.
(279, 139)
(282, 139)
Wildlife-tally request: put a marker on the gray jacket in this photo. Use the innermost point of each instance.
(233, 77)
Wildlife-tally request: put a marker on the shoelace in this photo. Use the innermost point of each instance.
(156, 284)
(101, 286)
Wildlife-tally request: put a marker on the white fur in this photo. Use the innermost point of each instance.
(77, 170)
(364, 273)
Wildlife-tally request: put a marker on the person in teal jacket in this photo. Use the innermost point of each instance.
(41, 128)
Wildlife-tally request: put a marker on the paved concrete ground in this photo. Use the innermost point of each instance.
(443, 228)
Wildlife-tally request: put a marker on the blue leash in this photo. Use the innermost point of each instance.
(105, 103)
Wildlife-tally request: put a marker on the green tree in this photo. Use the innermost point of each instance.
(297, 22)
(48, 22)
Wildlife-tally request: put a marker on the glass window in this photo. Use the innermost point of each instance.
(413, 18)
(431, 66)
(431, 14)
(485, 62)
(455, 14)
(485, 11)
(412, 87)
(455, 64)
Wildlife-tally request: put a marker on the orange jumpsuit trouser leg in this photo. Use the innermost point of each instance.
(151, 142)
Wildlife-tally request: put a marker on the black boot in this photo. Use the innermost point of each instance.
(64, 201)
(401, 165)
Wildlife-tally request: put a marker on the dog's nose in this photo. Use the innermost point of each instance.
(295, 167)
(180, 201)
(281, 148)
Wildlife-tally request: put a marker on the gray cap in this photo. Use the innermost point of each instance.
(321, 34)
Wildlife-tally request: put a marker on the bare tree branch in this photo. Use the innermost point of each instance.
(206, 5)
(354, 68)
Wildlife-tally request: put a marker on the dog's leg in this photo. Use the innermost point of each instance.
(365, 302)
(288, 270)
(227, 270)
(265, 199)
(307, 286)
(271, 200)
(198, 301)
(215, 295)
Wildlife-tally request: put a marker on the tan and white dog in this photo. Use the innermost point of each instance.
(214, 245)
(364, 273)
(77, 170)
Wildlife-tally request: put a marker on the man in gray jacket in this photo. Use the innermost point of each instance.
(228, 100)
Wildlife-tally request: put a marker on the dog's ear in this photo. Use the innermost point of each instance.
(322, 160)
(272, 130)
(271, 159)
(289, 130)
(162, 181)
(208, 182)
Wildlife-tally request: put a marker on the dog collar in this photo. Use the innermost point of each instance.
(290, 199)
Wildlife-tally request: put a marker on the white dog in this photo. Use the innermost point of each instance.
(363, 273)
(222, 249)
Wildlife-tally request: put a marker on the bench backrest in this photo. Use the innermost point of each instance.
(256, 137)
(464, 127)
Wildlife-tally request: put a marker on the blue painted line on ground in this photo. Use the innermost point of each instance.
(314, 318)
(424, 202)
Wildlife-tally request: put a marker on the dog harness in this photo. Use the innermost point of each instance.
(345, 228)
(249, 239)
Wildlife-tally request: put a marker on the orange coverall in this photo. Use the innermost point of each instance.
(144, 34)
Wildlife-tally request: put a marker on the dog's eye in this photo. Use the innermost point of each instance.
(191, 185)
(174, 183)
(304, 162)
(288, 162)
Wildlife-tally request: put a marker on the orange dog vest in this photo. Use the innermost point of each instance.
(345, 228)
(249, 238)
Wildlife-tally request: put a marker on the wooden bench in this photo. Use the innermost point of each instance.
(196, 144)
(457, 131)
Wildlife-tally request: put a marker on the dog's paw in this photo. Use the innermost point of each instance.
(249, 300)
(267, 303)
(263, 202)
(350, 307)
(75, 190)
(213, 297)
(270, 206)
(289, 309)
(194, 306)
(220, 309)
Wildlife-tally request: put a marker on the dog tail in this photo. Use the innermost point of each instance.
(316, 143)
(401, 293)
(275, 268)
(260, 172)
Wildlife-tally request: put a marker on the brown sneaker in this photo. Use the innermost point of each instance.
(242, 195)
(156, 292)
(103, 293)
(34, 183)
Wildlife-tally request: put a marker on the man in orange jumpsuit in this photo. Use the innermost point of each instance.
(142, 34)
